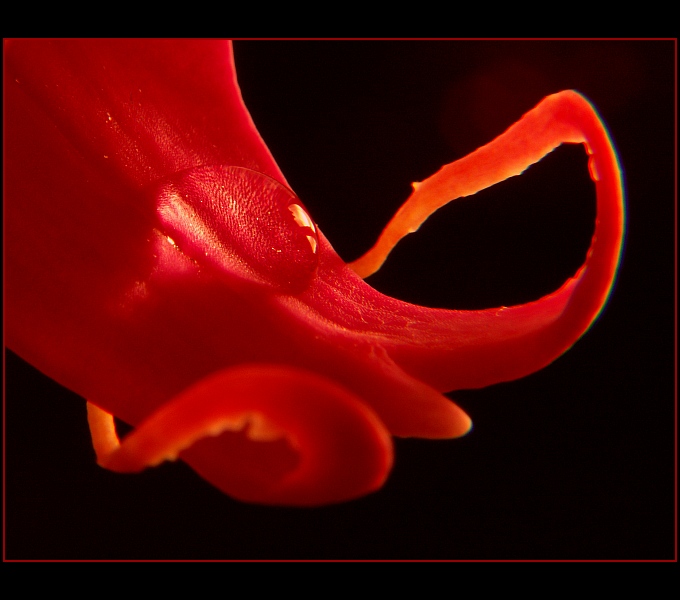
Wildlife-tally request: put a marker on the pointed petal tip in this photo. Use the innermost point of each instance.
(461, 423)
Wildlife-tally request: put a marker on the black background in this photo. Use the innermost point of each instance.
(573, 462)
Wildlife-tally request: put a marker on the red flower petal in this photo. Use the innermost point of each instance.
(152, 242)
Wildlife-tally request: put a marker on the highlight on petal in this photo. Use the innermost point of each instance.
(261, 433)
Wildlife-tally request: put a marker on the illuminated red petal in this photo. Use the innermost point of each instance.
(114, 197)
(152, 241)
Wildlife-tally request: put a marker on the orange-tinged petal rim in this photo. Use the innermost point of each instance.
(469, 349)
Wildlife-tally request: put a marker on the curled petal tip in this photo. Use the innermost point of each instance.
(266, 434)
(489, 346)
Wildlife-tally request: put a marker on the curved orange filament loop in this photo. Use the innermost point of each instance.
(328, 446)
(565, 117)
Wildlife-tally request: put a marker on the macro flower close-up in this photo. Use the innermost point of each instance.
(234, 278)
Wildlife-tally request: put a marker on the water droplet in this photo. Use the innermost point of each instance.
(251, 225)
